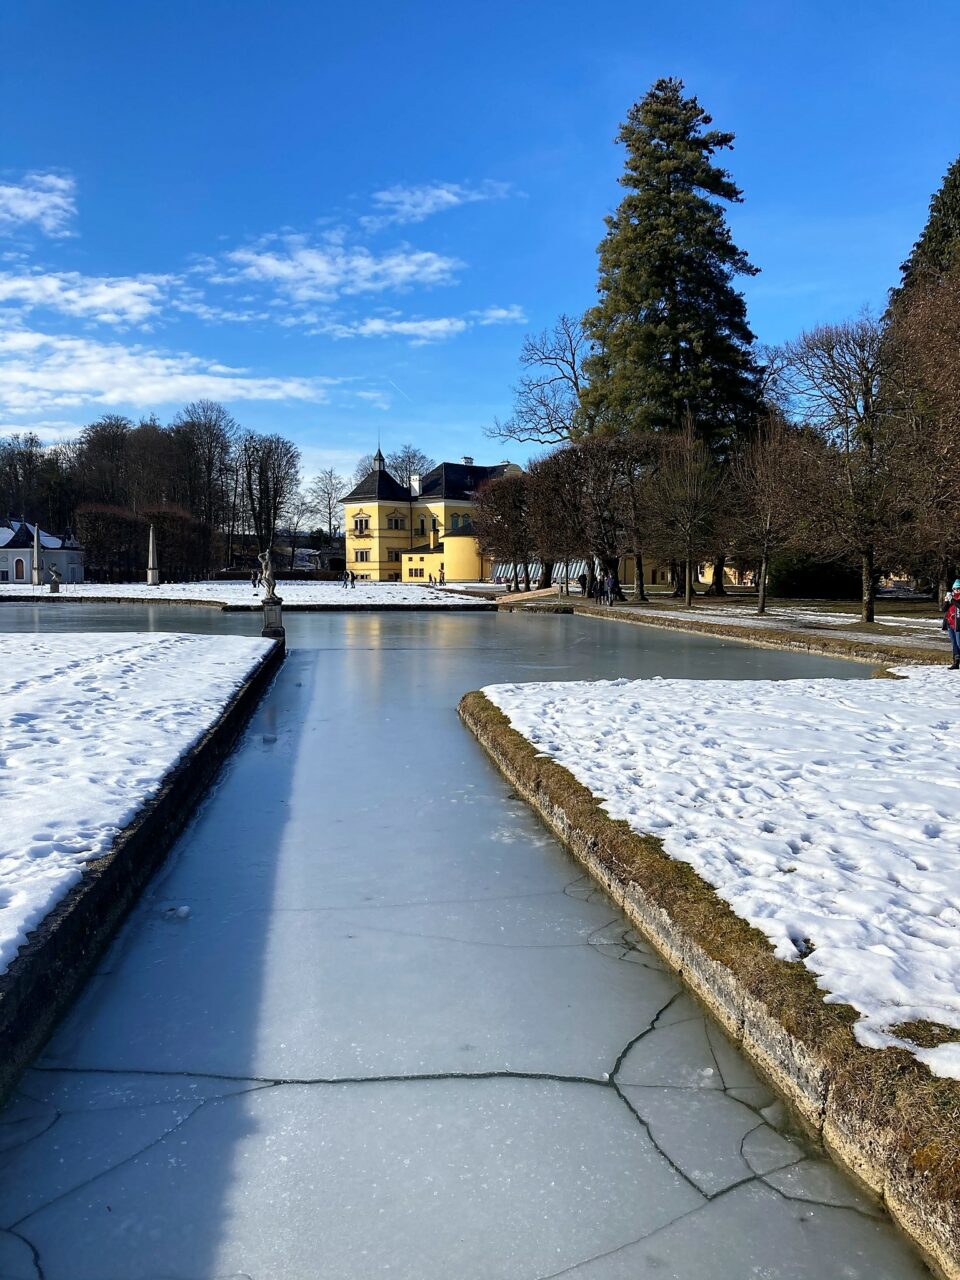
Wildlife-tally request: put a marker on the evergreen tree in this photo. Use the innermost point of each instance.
(939, 244)
(669, 333)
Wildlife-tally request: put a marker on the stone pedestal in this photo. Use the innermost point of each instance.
(54, 587)
(273, 618)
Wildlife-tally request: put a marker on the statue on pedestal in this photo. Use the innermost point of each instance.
(56, 577)
(267, 580)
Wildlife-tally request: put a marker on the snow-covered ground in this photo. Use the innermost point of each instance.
(89, 726)
(827, 813)
(382, 595)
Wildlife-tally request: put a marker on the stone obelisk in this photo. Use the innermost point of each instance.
(153, 569)
(36, 575)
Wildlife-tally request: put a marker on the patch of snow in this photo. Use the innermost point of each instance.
(91, 724)
(824, 812)
(381, 595)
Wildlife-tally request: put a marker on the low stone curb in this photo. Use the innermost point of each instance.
(52, 966)
(224, 607)
(828, 646)
(880, 1113)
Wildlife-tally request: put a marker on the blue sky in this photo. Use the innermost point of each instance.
(340, 220)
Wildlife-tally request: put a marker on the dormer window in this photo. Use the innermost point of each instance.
(361, 524)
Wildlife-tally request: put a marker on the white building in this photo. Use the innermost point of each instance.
(16, 554)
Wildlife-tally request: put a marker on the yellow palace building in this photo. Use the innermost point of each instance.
(396, 533)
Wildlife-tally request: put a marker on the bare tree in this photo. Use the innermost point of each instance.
(547, 395)
(833, 377)
(760, 474)
(271, 475)
(363, 468)
(408, 461)
(500, 521)
(297, 510)
(555, 511)
(686, 498)
(926, 339)
(326, 491)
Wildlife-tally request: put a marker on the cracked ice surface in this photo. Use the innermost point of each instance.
(398, 1034)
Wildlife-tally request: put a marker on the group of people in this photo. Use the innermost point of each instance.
(603, 588)
(348, 579)
(438, 582)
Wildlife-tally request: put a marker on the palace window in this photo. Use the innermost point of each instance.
(394, 556)
(362, 557)
(422, 528)
(396, 522)
(454, 522)
(361, 524)
(19, 571)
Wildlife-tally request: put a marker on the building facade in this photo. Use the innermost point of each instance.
(399, 533)
(17, 549)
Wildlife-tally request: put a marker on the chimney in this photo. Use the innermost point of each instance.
(433, 539)
(467, 462)
(415, 485)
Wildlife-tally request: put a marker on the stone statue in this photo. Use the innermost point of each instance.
(267, 580)
(56, 577)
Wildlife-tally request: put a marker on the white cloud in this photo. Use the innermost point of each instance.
(43, 199)
(42, 371)
(50, 431)
(109, 299)
(403, 204)
(419, 332)
(311, 272)
(514, 314)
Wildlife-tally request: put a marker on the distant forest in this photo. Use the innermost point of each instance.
(214, 492)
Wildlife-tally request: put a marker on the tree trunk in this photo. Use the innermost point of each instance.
(762, 585)
(546, 573)
(591, 578)
(677, 574)
(526, 575)
(638, 589)
(611, 565)
(868, 610)
(516, 577)
(688, 582)
(947, 577)
(716, 587)
(566, 577)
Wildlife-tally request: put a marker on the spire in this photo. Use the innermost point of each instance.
(153, 572)
(379, 461)
(36, 575)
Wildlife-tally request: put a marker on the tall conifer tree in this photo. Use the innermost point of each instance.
(669, 332)
(939, 245)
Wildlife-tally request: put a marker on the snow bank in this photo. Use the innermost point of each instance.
(89, 726)
(381, 595)
(826, 813)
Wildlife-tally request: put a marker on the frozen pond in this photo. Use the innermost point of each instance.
(399, 1034)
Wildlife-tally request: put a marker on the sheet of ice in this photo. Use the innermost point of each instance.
(89, 726)
(824, 812)
(318, 595)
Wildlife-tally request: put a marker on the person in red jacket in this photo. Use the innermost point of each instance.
(951, 621)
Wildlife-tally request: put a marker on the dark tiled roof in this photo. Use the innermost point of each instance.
(378, 485)
(457, 480)
(21, 540)
(465, 531)
(424, 550)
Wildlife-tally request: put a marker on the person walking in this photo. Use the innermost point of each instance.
(353, 580)
(345, 579)
(582, 582)
(443, 577)
(608, 589)
(254, 579)
(951, 622)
